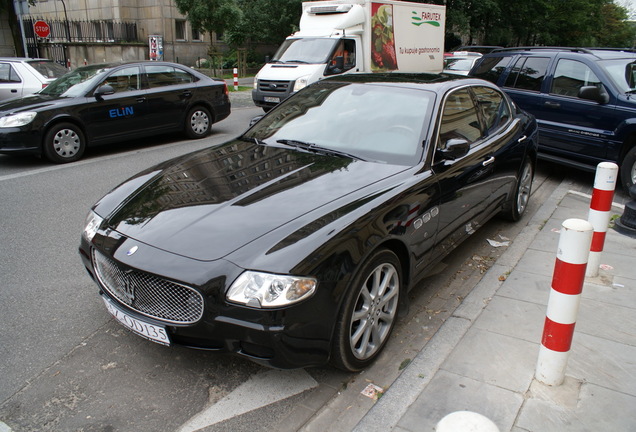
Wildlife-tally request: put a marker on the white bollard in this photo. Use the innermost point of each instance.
(235, 79)
(599, 215)
(466, 421)
(563, 305)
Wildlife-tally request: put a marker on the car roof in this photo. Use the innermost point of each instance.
(600, 53)
(23, 59)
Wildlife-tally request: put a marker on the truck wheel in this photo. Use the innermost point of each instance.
(64, 143)
(628, 170)
(369, 312)
(198, 123)
(516, 205)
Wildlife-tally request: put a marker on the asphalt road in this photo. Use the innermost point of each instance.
(66, 365)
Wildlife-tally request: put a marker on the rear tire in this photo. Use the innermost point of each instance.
(198, 123)
(369, 312)
(518, 202)
(64, 143)
(628, 170)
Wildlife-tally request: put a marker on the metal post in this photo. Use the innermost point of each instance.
(563, 305)
(21, 6)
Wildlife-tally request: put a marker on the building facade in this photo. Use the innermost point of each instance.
(161, 31)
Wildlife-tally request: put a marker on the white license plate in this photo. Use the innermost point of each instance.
(149, 331)
(272, 99)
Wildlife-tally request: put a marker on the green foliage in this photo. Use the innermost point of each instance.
(211, 15)
(265, 21)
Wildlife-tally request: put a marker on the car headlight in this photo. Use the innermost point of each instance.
(301, 83)
(17, 120)
(255, 83)
(93, 222)
(265, 290)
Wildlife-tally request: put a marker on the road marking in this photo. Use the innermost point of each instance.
(259, 391)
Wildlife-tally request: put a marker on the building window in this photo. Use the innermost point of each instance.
(180, 29)
(196, 35)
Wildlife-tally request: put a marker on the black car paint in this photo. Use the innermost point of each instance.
(113, 118)
(284, 225)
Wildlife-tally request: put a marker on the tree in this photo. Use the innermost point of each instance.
(213, 16)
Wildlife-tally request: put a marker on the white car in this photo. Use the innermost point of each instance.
(460, 62)
(22, 76)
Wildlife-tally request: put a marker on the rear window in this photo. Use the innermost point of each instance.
(528, 73)
(48, 69)
(491, 68)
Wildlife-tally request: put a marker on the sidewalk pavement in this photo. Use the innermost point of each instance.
(483, 359)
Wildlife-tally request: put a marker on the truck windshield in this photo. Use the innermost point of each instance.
(622, 72)
(305, 50)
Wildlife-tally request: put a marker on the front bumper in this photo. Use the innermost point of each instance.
(269, 93)
(22, 140)
(287, 338)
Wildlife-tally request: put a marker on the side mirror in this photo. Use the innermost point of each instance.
(455, 148)
(104, 90)
(594, 93)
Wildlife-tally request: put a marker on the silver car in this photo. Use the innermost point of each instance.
(23, 76)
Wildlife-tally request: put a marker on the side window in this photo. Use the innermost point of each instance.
(8, 74)
(528, 73)
(493, 107)
(570, 76)
(491, 68)
(346, 49)
(459, 119)
(123, 80)
(161, 76)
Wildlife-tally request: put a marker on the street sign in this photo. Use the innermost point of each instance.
(42, 29)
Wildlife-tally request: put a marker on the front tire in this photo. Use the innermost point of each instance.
(64, 143)
(198, 123)
(369, 312)
(628, 170)
(518, 202)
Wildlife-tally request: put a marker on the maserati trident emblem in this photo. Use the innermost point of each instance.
(132, 250)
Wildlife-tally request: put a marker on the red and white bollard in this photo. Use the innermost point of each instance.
(599, 216)
(563, 305)
(235, 79)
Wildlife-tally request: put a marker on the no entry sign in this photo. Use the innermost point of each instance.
(42, 29)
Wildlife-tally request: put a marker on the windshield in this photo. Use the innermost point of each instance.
(305, 50)
(622, 72)
(374, 122)
(75, 83)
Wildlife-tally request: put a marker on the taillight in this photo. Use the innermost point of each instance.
(44, 85)
(225, 90)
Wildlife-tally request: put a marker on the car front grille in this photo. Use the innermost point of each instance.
(148, 294)
(274, 86)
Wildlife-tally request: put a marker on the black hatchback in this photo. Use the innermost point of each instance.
(106, 103)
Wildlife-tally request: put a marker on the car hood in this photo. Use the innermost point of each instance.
(211, 203)
(31, 102)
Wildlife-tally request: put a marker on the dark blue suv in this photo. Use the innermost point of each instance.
(584, 101)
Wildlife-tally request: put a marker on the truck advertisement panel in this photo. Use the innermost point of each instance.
(407, 38)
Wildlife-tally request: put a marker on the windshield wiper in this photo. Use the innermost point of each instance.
(316, 148)
(296, 61)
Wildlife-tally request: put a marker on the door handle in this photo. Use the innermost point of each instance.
(550, 104)
(488, 161)
(522, 139)
(187, 93)
(14, 90)
(141, 99)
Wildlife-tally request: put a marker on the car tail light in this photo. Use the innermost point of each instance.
(225, 90)
(44, 85)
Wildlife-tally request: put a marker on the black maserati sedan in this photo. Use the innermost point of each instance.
(296, 243)
(114, 102)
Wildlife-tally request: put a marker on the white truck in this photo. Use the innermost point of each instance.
(345, 36)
